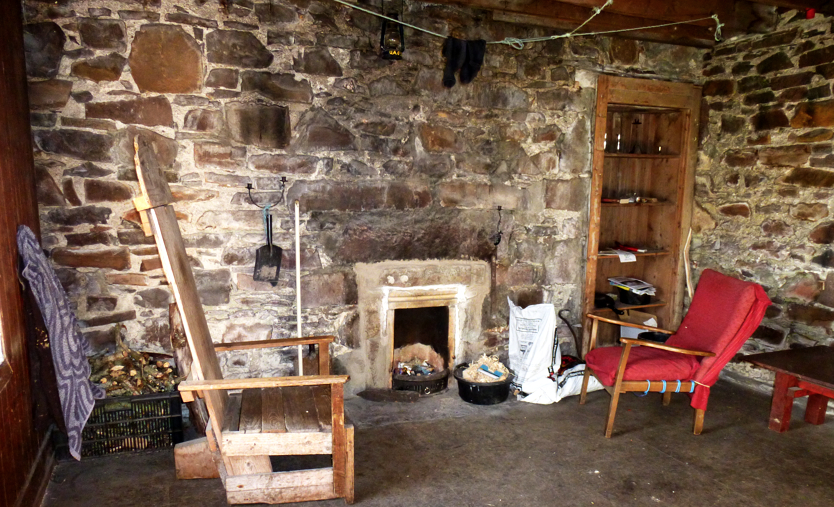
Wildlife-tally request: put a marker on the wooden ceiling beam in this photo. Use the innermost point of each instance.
(821, 6)
(566, 16)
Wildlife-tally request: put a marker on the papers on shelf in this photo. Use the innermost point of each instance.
(632, 284)
(622, 254)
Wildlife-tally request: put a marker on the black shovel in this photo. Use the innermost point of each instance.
(268, 257)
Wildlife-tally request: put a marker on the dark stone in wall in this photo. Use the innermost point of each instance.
(190, 19)
(78, 216)
(823, 234)
(333, 196)
(48, 193)
(820, 92)
(222, 78)
(814, 114)
(317, 61)
(748, 84)
(44, 47)
(768, 120)
(271, 12)
(776, 39)
(284, 164)
(43, 119)
(762, 97)
(773, 63)
(164, 148)
(102, 33)
(735, 210)
(102, 68)
(113, 258)
(112, 318)
(50, 95)
(769, 335)
(70, 193)
(317, 130)
(76, 144)
(203, 120)
(791, 155)
(741, 68)
(139, 15)
(144, 111)
(817, 57)
(153, 298)
(89, 238)
(101, 303)
(237, 49)
(106, 191)
(791, 80)
(808, 177)
(571, 195)
(165, 59)
(278, 87)
(719, 87)
(213, 286)
(732, 124)
(262, 126)
(375, 237)
(811, 315)
(741, 158)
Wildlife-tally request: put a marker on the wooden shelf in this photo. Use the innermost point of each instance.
(621, 306)
(636, 204)
(641, 155)
(636, 254)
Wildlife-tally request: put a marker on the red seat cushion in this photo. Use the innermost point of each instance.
(644, 363)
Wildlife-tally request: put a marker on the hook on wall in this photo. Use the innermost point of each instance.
(280, 200)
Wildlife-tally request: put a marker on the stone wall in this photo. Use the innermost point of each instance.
(386, 163)
(764, 180)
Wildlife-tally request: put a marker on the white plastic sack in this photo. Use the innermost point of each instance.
(570, 382)
(532, 331)
(532, 354)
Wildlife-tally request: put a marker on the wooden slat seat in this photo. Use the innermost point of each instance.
(301, 409)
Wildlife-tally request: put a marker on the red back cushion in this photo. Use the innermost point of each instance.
(719, 308)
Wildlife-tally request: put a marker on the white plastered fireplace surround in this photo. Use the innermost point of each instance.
(384, 287)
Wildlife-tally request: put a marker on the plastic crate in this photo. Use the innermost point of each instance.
(131, 423)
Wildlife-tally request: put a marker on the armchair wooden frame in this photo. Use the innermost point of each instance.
(623, 386)
(274, 416)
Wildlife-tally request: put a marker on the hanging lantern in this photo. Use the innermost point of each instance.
(392, 40)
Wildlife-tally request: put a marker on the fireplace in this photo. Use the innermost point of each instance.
(421, 349)
(392, 294)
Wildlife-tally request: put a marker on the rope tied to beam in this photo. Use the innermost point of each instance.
(519, 44)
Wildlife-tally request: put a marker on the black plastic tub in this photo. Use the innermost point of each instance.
(482, 393)
(422, 384)
(654, 336)
(629, 298)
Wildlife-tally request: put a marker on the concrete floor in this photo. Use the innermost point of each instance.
(441, 451)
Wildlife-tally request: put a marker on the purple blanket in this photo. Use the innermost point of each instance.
(69, 347)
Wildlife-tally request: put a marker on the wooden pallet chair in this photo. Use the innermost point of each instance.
(277, 416)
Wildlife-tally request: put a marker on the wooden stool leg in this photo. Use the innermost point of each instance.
(699, 421)
(667, 398)
(815, 411)
(349, 464)
(782, 404)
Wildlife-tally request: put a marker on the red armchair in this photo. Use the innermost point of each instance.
(723, 314)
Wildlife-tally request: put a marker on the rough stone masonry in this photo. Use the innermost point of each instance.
(764, 179)
(386, 163)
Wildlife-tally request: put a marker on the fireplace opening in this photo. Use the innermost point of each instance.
(421, 349)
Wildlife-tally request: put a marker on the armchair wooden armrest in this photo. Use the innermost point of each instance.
(663, 346)
(256, 383)
(628, 324)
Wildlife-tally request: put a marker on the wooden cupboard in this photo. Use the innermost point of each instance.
(645, 138)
